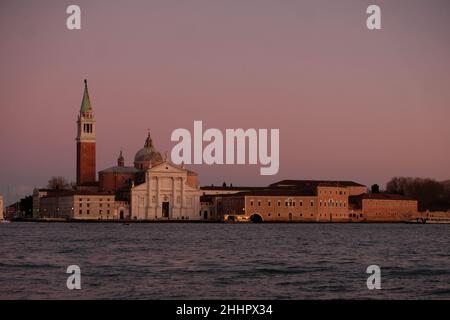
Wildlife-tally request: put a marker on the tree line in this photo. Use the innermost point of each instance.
(431, 194)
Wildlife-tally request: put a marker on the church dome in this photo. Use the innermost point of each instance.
(147, 156)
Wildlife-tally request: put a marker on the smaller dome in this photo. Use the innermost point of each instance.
(147, 156)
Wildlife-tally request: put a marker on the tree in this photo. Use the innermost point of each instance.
(375, 188)
(431, 195)
(58, 183)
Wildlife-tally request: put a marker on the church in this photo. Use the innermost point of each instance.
(169, 192)
(155, 188)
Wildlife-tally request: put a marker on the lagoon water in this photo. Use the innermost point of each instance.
(224, 261)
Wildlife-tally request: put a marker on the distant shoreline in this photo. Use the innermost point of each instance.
(198, 221)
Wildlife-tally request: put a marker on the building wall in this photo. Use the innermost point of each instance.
(332, 204)
(192, 180)
(94, 207)
(56, 207)
(113, 181)
(81, 207)
(1, 208)
(86, 162)
(382, 210)
(206, 211)
(282, 208)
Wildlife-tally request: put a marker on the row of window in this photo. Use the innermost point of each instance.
(287, 203)
(301, 215)
(332, 203)
(292, 203)
(87, 199)
(88, 211)
(290, 214)
(330, 192)
(100, 205)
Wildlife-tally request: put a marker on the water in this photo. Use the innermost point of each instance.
(224, 261)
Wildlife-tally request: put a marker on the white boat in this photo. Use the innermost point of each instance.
(438, 217)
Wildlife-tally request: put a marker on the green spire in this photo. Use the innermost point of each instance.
(86, 103)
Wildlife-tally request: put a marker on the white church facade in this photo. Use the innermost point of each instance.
(170, 192)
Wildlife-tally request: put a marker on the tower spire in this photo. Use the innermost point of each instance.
(86, 102)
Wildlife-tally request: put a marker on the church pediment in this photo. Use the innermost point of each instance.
(167, 167)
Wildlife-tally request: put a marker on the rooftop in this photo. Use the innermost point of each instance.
(120, 169)
(314, 184)
(379, 196)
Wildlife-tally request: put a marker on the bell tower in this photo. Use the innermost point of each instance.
(86, 174)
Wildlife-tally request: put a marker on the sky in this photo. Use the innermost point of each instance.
(350, 103)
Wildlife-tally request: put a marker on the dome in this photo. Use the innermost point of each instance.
(147, 156)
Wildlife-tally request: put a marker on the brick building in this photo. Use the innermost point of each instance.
(383, 208)
(292, 200)
(78, 205)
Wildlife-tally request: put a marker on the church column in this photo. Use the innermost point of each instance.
(158, 190)
(148, 184)
(182, 196)
(174, 199)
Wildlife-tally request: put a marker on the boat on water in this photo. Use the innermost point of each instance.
(434, 217)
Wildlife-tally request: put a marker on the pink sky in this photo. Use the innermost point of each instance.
(350, 103)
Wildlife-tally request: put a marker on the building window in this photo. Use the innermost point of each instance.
(279, 203)
(81, 212)
(251, 203)
(278, 214)
(293, 203)
(107, 212)
(101, 211)
(268, 214)
(87, 212)
(259, 203)
(88, 205)
(312, 203)
(269, 203)
(100, 205)
(301, 203)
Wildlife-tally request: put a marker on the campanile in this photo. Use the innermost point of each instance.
(86, 174)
